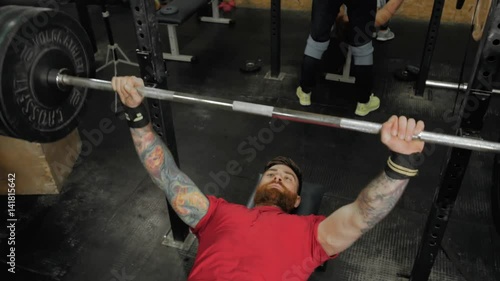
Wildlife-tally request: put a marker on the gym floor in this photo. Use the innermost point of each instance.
(109, 221)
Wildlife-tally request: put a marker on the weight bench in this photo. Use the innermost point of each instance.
(311, 196)
(177, 12)
(346, 71)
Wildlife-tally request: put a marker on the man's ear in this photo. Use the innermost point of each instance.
(297, 201)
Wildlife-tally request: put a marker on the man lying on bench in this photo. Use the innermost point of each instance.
(265, 242)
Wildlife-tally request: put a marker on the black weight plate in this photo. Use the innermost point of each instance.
(405, 75)
(6, 15)
(250, 66)
(169, 10)
(34, 42)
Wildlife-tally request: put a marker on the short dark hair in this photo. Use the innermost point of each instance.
(281, 160)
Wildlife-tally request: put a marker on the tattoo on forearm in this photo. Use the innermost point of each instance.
(378, 199)
(185, 197)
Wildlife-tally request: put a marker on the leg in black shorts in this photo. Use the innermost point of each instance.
(323, 15)
(361, 25)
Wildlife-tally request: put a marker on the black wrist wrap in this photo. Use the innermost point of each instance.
(137, 117)
(403, 166)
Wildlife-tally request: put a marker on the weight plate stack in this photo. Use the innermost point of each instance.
(32, 42)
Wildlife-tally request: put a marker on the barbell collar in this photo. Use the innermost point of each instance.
(279, 113)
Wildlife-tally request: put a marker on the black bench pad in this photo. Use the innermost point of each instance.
(186, 9)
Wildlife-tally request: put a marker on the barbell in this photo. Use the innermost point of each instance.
(53, 63)
(62, 80)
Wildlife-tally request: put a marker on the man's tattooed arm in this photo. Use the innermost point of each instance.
(184, 196)
(347, 224)
(377, 200)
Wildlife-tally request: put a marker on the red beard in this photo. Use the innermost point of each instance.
(269, 196)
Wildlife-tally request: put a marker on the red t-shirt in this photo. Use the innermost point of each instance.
(263, 243)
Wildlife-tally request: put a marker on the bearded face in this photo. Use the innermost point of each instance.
(275, 193)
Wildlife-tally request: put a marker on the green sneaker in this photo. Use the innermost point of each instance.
(304, 98)
(364, 108)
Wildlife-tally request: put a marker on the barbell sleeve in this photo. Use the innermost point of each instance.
(63, 80)
(452, 86)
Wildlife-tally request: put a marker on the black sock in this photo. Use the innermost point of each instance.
(308, 75)
(364, 82)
